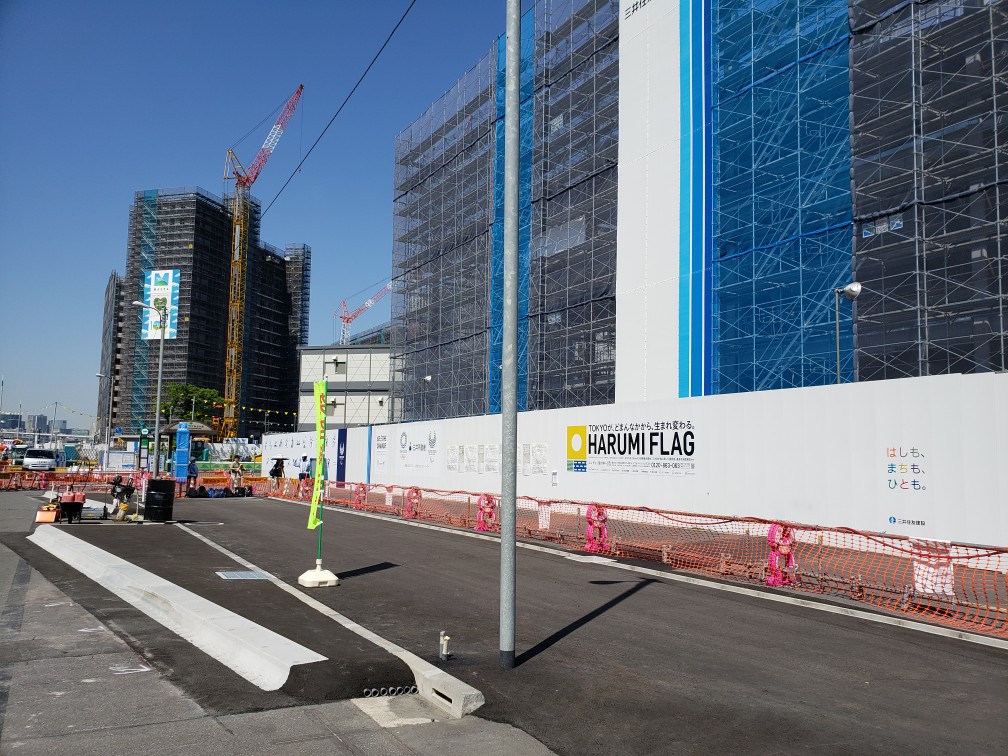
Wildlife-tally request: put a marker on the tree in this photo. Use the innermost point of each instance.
(177, 402)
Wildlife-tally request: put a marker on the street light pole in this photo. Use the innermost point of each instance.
(162, 314)
(108, 418)
(850, 292)
(509, 346)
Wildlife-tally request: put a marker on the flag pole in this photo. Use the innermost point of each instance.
(318, 577)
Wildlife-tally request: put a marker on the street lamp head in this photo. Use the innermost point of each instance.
(428, 378)
(158, 310)
(851, 290)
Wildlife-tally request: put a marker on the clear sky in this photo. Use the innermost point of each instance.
(102, 99)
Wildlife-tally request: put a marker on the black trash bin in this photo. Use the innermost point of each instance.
(160, 500)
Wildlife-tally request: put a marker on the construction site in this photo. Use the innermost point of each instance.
(190, 230)
(447, 258)
(197, 246)
(929, 135)
(834, 154)
(837, 150)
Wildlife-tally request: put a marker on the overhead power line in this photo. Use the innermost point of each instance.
(342, 105)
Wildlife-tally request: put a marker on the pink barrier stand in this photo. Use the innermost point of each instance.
(486, 513)
(413, 498)
(780, 560)
(359, 496)
(597, 532)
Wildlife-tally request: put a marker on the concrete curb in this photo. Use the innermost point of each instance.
(258, 654)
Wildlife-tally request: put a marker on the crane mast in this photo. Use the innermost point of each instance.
(240, 218)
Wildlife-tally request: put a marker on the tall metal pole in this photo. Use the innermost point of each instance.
(162, 319)
(108, 420)
(836, 295)
(509, 362)
(108, 417)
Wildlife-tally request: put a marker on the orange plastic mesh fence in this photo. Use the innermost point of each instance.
(956, 585)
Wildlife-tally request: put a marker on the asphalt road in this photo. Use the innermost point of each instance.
(609, 661)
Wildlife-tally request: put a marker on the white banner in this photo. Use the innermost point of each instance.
(161, 291)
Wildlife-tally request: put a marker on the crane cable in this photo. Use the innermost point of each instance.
(342, 105)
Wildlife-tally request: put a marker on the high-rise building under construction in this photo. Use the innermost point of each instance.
(189, 230)
(697, 182)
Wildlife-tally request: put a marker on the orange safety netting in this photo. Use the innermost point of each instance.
(952, 584)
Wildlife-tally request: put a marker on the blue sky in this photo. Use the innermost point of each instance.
(101, 99)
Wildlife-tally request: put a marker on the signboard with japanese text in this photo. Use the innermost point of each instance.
(899, 456)
(645, 447)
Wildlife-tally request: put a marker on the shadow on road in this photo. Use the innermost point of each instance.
(365, 570)
(559, 635)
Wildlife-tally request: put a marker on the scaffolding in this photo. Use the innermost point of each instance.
(442, 224)
(781, 175)
(298, 257)
(448, 240)
(928, 82)
(572, 282)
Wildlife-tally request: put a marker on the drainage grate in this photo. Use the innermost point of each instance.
(243, 575)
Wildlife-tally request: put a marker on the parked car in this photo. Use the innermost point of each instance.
(40, 459)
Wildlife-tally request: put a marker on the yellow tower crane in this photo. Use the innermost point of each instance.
(239, 261)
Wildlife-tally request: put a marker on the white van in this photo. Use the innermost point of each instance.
(40, 459)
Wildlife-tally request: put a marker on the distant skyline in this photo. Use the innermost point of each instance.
(101, 100)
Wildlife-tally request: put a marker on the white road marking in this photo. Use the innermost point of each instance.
(258, 654)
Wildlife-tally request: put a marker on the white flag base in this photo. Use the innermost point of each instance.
(318, 577)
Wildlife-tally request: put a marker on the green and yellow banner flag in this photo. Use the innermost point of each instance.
(320, 421)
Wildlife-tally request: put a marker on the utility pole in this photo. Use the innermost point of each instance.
(509, 354)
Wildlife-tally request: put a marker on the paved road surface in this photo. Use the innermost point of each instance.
(609, 661)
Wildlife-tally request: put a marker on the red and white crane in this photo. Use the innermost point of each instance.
(348, 317)
(243, 179)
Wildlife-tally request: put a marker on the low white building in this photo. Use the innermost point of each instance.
(357, 378)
